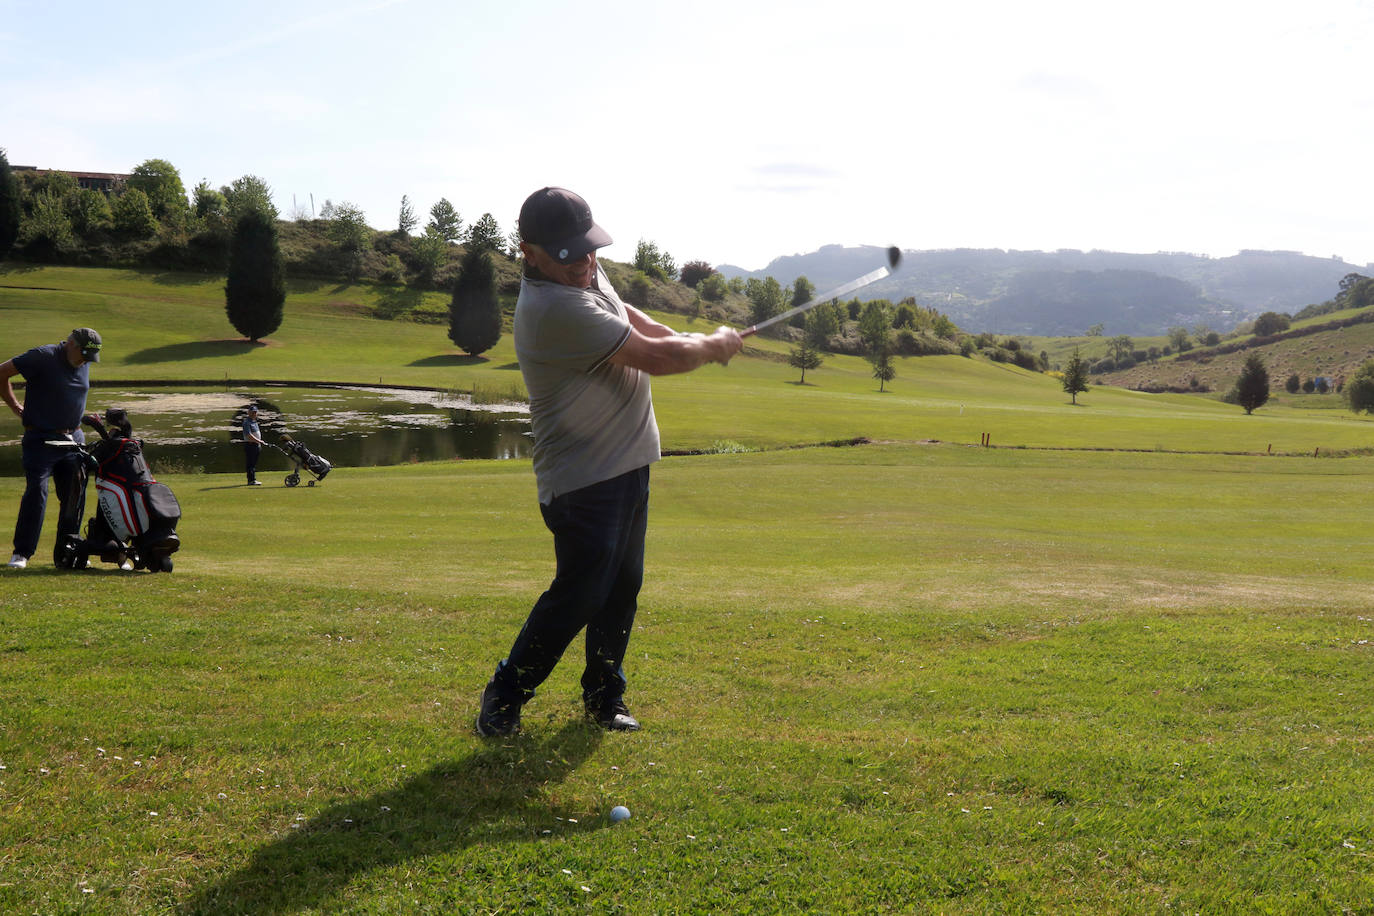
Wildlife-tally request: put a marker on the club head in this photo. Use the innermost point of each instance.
(894, 257)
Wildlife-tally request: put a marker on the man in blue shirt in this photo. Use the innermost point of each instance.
(56, 380)
(252, 444)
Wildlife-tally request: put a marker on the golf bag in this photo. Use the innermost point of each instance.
(136, 519)
(302, 458)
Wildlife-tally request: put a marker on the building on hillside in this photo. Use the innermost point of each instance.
(108, 182)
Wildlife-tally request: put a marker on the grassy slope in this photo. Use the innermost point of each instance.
(173, 326)
(902, 677)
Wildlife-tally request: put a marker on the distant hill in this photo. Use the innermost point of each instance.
(1065, 292)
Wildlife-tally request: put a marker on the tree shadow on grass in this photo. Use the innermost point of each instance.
(493, 797)
(394, 301)
(450, 359)
(195, 349)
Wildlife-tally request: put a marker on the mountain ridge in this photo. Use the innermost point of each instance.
(1062, 293)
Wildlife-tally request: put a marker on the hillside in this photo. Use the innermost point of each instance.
(1064, 292)
(1330, 346)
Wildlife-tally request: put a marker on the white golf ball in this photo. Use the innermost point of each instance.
(619, 813)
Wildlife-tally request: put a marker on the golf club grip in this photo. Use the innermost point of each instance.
(870, 277)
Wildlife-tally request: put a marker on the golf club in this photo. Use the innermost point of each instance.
(894, 258)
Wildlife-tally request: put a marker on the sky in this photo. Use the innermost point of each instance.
(731, 131)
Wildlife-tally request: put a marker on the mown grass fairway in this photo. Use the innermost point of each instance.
(899, 677)
(896, 678)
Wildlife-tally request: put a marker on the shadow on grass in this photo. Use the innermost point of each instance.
(195, 349)
(163, 277)
(492, 797)
(394, 301)
(450, 359)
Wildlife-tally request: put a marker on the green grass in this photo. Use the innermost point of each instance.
(886, 678)
(901, 677)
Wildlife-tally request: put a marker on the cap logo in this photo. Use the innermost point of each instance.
(562, 254)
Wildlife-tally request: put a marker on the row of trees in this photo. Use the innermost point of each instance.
(151, 219)
(255, 288)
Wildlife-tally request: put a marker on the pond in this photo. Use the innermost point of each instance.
(197, 429)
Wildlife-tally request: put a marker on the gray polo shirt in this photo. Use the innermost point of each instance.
(592, 420)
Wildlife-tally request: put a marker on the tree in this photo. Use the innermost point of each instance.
(1075, 376)
(713, 287)
(485, 234)
(206, 202)
(693, 272)
(429, 252)
(1293, 385)
(803, 357)
(1120, 347)
(255, 290)
(348, 228)
(47, 229)
(406, 222)
(9, 206)
(1271, 323)
(1095, 330)
(1178, 337)
(1361, 295)
(1359, 391)
(883, 369)
(822, 323)
(765, 298)
(133, 215)
(474, 314)
(160, 180)
(445, 221)
(1252, 387)
(874, 327)
(1349, 282)
(807, 355)
(89, 211)
(248, 193)
(657, 264)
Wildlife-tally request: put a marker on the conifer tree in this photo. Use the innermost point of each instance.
(475, 312)
(1075, 376)
(9, 206)
(1252, 388)
(255, 292)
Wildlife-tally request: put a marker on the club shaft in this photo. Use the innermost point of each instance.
(870, 277)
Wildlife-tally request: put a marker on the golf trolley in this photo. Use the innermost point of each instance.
(135, 524)
(302, 458)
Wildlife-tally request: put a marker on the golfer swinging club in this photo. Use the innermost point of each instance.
(586, 357)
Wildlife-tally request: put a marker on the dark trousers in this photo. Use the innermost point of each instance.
(598, 542)
(251, 452)
(68, 472)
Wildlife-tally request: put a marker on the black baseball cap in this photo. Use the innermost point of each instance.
(89, 342)
(560, 222)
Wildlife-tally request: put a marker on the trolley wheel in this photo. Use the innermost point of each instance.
(165, 564)
(292, 479)
(310, 483)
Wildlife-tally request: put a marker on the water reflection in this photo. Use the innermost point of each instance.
(199, 429)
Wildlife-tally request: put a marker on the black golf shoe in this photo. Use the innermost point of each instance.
(613, 716)
(498, 717)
